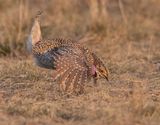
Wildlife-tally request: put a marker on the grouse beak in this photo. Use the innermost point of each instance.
(106, 78)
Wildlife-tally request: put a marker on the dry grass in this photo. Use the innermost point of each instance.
(126, 35)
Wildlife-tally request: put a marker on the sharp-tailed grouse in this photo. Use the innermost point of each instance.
(71, 62)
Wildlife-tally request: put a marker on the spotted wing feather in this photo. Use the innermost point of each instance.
(72, 71)
(47, 58)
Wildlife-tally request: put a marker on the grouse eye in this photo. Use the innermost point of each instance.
(102, 70)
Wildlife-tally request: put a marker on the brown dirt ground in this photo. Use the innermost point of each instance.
(29, 96)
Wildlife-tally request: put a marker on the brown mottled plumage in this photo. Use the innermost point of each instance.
(73, 64)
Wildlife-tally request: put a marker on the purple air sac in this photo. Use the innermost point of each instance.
(94, 71)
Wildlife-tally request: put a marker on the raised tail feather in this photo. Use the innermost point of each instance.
(35, 34)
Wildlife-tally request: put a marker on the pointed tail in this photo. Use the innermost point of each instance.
(35, 34)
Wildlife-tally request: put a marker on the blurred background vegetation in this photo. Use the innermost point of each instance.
(132, 20)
